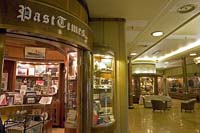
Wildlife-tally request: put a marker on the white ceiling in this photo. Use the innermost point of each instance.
(145, 16)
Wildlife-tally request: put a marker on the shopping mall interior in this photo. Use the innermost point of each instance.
(85, 66)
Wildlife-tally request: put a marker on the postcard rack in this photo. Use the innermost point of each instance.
(20, 123)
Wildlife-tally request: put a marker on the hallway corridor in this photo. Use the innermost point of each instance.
(144, 120)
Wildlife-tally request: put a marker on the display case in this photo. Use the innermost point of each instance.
(178, 91)
(147, 85)
(175, 84)
(34, 83)
(103, 84)
(144, 84)
(41, 78)
(72, 106)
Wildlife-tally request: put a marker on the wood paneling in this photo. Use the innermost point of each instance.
(54, 55)
(15, 52)
(9, 67)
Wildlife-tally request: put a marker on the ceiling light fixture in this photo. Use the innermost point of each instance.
(186, 8)
(196, 60)
(193, 54)
(156, 52)
(148, 58)
(157, 33)
(133, 54)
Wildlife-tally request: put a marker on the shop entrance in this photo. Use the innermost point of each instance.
(42, 78)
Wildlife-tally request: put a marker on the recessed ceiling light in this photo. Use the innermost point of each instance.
(186, 8)
(133, 54)
(193, 54)
(157, 33)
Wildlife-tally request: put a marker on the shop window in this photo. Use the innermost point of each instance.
(103, 84)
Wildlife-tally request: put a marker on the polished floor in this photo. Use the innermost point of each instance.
(144, 120)
(58, 130)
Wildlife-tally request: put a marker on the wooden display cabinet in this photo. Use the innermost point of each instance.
(35, 80)
(37, 76)
(55, 107)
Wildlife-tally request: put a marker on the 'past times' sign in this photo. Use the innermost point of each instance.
(36, 18)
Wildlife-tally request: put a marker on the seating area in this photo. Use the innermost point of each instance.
(144, 120)
(148, 98)
(159, 105)
(188, 105)
(162, 103)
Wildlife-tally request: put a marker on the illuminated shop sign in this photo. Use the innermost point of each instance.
(27, 14)
(43, 19)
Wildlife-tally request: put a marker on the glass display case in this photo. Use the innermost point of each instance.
(103, 84)
(71, 93)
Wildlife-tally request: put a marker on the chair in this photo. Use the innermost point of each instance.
(147, 100)
(158, 105)
(188, 105)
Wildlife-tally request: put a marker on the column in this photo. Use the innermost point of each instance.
(184, 68)
(2, 44)
(87, 93)
(130, 96)
(111, 31)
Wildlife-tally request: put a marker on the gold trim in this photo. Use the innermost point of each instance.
(63, 39)
(63, 11)
(103, 49)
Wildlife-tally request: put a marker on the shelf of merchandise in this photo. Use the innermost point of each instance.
(103, 87)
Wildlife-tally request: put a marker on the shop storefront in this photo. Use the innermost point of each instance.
(45, 52)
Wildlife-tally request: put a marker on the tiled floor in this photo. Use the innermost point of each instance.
(143, 120)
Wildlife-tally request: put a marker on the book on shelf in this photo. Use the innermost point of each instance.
(71, 116)
(46, 100)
